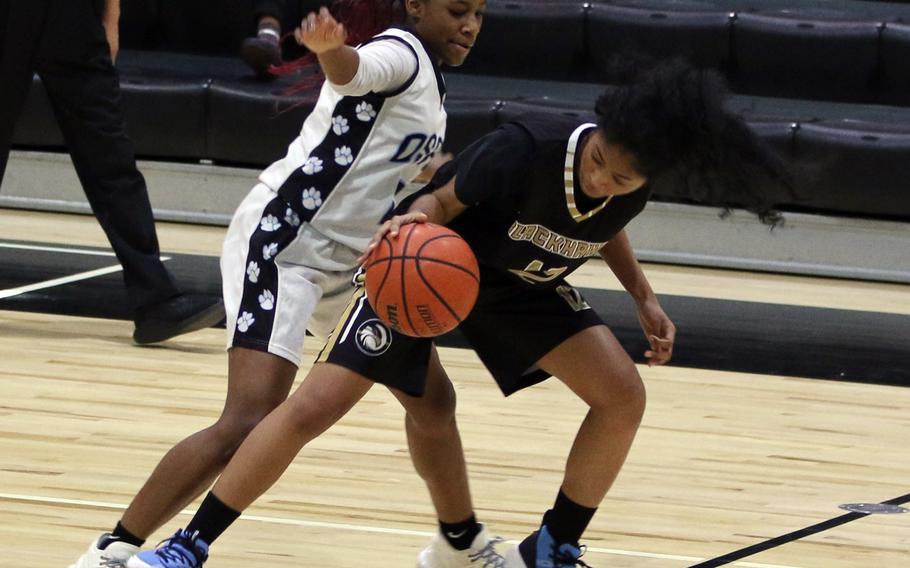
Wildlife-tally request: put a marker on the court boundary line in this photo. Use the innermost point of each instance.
(46, 248)
(43, 285)
(789, 537)
(63, 280)
(355, 528)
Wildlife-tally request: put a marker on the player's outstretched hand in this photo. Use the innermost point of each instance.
(391, 228)
(320, 32)
(659, 330)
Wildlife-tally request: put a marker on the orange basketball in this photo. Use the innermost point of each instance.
(423, 282)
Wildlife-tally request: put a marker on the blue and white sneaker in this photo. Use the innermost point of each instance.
(183, 550)
(540, 550)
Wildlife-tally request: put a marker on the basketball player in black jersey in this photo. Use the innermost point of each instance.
(535, 199)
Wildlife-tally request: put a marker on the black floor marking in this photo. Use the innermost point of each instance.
(790, 537)
(748, 337)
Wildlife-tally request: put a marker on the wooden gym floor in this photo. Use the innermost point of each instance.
(723, 460)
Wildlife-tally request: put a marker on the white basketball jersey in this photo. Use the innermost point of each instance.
(355, 152)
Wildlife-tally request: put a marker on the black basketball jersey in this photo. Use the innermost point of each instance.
(527, 215)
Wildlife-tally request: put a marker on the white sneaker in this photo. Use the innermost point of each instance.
(481, 554)
(106, 553)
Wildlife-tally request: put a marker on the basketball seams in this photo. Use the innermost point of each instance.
(439, 297)
(403, 281)
(418, 260)
(435, 260)
(385, 276)
(426, 243)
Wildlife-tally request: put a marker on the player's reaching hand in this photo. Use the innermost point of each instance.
(391, 228)
(320, 32)
(659, 330)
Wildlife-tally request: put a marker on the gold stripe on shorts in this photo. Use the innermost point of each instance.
(333, 337)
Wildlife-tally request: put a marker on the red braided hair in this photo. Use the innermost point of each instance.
(362, 20)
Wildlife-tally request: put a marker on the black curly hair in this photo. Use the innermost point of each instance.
(671, 117)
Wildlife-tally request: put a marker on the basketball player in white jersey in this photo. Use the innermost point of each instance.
(292, 247)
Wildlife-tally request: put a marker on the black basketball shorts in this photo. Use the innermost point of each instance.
(511, 328)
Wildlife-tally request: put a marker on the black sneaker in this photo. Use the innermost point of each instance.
(261, 52)
(176, 316)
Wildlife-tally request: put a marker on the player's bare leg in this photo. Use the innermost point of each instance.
(324, 397)
(595, 366)
(327, 394)
(438, 457)
(257, 383)
(435, 444)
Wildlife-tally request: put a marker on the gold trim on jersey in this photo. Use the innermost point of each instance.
(569, 178)
(337, 332)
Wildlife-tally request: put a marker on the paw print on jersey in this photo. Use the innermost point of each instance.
(270, 223)
(291, 218)
(365, 112)
(245, 321)
(340, 125)
(269, 250)
(311, 198)
(343, 156)
(252, 271)
(313, 165)
(267, 300)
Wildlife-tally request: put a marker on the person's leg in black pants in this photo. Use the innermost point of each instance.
(73, 60)
(18, 51)
(85, 95)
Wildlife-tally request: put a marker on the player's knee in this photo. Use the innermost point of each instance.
(310, 415)
(635, 397)
(230, 431)
(435, 412)
(623, 396)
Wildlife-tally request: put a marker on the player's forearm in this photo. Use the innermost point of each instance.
(430, 206)
(440, 206)
(339, 65)
(621, 259)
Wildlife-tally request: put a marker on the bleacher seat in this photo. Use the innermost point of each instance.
(855, 167)
(895, 49)
(697, 31)
(793, 54)
(529, 39)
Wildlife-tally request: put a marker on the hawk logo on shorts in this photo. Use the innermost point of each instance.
(373, 337)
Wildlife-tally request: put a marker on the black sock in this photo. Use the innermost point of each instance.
(567, 520)
(120, 533)
(212, 518)
(461, 535)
